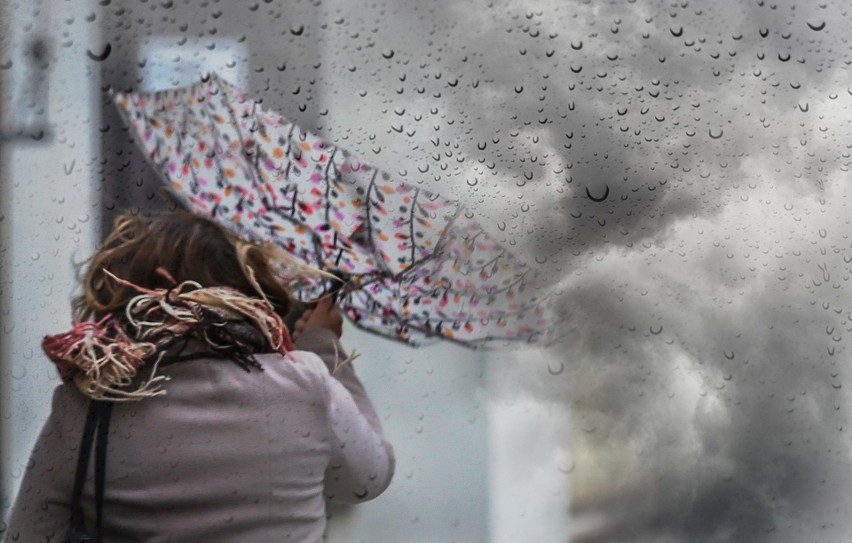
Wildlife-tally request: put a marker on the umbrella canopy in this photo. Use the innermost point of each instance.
(416, 265)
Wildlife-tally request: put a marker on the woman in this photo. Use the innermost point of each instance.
(221, 429)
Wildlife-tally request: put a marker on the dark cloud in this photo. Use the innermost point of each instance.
(705, 411)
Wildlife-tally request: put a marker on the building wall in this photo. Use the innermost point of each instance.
(49, 208)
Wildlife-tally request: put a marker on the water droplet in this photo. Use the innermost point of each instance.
(100, 57)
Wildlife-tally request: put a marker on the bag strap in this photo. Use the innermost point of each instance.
(100, 462)
(97, 421)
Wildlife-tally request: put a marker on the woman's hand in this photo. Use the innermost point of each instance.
(320, 314)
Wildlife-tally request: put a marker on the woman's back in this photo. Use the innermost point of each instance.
(227, 455)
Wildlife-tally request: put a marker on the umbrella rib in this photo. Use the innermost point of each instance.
(376, 278)
(525, 307)
(411, 224)
(445, 234)
(510, 285)
(289, 147)
(368, 205)
(219, 169)
(270, 199)
(490, 262)
(256, 161)
(328, 189)
(188, 157)
(492, 293)
(236, 124)
(471, 344)
(430, 332)
(493, 260)
(188, 163)
(435, 252)
(317, 261)
(376, 303)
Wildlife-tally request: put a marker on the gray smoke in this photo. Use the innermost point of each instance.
(705, 303)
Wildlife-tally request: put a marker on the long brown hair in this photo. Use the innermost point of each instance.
(189, 248)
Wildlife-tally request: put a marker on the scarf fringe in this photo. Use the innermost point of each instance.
(104, 358)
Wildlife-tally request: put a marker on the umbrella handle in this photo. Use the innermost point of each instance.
(294, 315)
(337, 286)
(300, 307)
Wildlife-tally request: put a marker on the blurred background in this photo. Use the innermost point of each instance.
(679, 170)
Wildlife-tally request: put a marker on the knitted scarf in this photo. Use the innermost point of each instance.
(104, 358)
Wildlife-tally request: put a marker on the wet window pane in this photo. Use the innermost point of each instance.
(676, 171)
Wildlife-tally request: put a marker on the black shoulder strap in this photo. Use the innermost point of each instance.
(100, 462)
(97, 420)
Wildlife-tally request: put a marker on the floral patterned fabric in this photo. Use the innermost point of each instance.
(416, 264)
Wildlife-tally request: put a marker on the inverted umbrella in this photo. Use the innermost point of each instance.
(414, 264)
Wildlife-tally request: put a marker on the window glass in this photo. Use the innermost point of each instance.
(677, 171)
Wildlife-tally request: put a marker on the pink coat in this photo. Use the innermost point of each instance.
(226, 455)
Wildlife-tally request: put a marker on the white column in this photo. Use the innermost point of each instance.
(49, 205)
(433, 408)
(529, 456)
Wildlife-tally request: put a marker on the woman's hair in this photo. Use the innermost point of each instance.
(188, 248)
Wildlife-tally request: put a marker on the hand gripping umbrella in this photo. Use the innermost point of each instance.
(414, 265)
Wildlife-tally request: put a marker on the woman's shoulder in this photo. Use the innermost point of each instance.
(304, 367)
(299, 362)
(294, 374)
